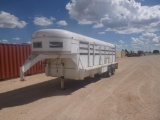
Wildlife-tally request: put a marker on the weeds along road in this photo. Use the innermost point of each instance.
(133, 93)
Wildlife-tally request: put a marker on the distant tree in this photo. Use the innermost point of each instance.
(155, 51)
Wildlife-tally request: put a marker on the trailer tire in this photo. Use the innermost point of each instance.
(109, 72)
(113, 71)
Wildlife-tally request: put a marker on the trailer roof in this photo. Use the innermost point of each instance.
(67, 34)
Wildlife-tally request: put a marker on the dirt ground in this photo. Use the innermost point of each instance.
(133, 93)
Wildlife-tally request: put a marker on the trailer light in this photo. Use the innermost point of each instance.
(56, 44)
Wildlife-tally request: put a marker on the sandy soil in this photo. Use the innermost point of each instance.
(133, 93)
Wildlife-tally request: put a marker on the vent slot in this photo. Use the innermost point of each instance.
(56, 44)
(37, 44)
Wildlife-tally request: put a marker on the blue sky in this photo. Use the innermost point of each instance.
(130, 24)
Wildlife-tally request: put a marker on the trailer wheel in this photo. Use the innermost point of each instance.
(109, 72)
(113, 71)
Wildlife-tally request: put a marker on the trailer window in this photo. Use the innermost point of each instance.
(37, 44)
(56, 44)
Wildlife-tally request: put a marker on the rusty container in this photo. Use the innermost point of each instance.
(12, 57)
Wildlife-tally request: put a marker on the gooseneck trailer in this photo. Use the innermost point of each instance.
(69, 55)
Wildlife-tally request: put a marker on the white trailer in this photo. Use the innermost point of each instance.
(70, 56)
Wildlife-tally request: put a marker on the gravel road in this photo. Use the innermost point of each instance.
(133, 93)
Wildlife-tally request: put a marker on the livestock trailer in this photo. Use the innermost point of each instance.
(69, 55)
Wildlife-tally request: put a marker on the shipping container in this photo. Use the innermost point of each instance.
(12, 56)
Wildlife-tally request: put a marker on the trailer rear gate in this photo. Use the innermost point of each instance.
(12, 56)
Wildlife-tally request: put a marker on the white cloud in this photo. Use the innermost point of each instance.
(121, 41)
(148, 37)
(156, 39)
(43, 21)
(4, 41)
(120, 16)
(101, 33)
(146, 41)
(135, 47)
(29, 42)
(157, 45)
(8, 20)
(137, 41)
(98, 25)
(62, 23)
(121, 46)
(134, 40)
(16, 38)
